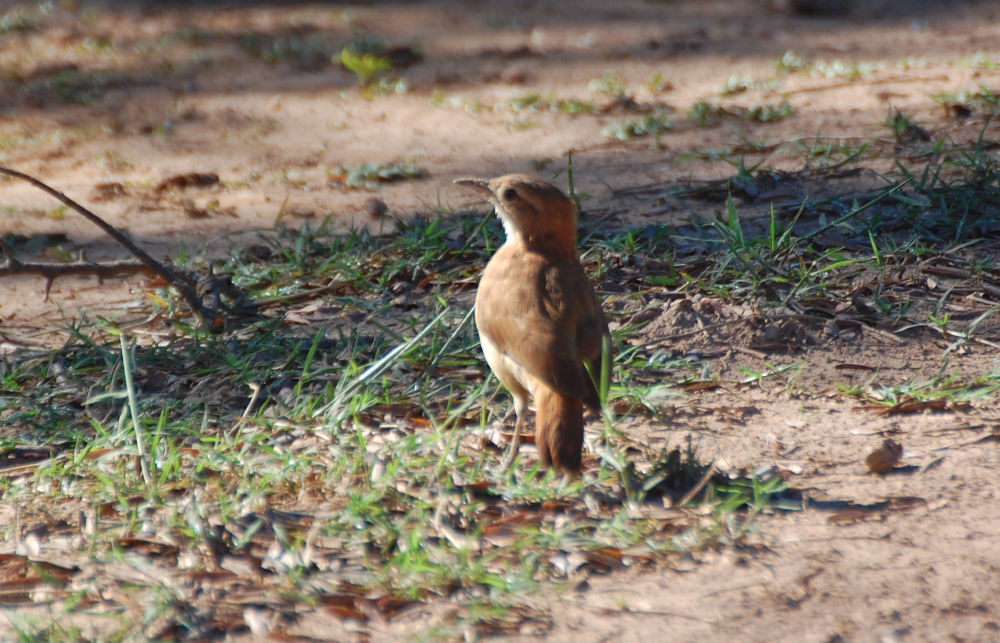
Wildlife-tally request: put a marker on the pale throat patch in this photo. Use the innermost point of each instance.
(509, 231)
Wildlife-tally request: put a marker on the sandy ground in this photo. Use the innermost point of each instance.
(176, 88)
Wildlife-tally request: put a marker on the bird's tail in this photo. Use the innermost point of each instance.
(559, 429)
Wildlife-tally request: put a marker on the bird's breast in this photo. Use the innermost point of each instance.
(511, 374)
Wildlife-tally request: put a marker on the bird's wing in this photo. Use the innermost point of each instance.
(545, 317)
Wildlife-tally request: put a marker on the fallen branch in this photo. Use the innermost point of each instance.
(52, 271)
(211, 319)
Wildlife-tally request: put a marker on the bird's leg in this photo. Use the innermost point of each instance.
(515, 443)
(521, 411)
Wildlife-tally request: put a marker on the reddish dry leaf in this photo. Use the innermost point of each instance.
(906, 503)
(344, 606)
(18, 592)
(915, 406)
(694, 387)
(429, 280)
(853, 515)
(640, 553)
(149, 547)
(515, 519)
(621, 406)
(15, 566)
(607, 558)
(489, 513)
(845, 366)
(110, 509)
(401, 411)
(556, 506)
(523, 438)
(367, 420)
(27, 453)
(22, 575)
(501, 535)
(189, 179)
(107, 510)
(108, 191)
(193, 211)
(876, 510)
(468, 419)
(389, 606)
(228, 621)
(462, 484)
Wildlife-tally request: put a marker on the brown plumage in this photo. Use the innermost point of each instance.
(538, 317)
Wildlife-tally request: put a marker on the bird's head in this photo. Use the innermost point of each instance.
(534, 212)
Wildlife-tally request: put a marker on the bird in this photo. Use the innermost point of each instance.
(540, 322)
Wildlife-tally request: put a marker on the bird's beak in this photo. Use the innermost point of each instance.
(483, 185)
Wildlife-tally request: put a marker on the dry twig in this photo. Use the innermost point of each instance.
(211, 318)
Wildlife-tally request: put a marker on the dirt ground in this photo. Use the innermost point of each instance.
(172, 89)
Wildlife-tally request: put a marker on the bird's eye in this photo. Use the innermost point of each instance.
(509, 194)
